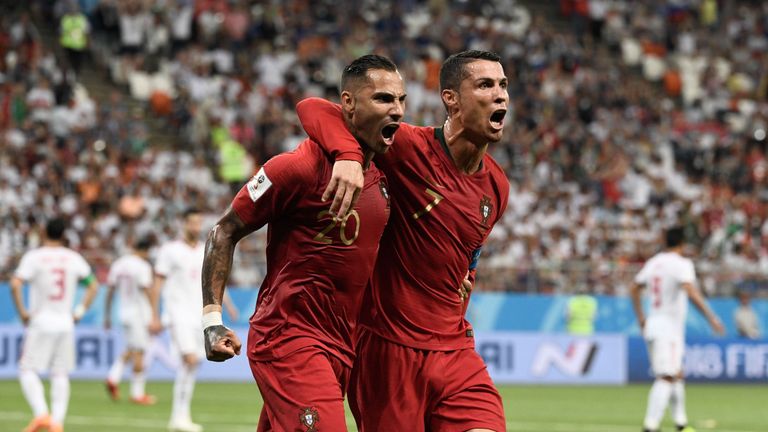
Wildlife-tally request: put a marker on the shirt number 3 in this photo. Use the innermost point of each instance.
(321, 236)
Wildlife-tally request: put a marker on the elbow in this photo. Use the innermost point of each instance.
(304, 106)
(221, 235)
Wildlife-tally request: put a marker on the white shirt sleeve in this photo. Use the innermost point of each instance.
(687, 272)
(642, 276)
(26, 269)
(164, 261)
(111, 277)
(83, 268)
(145, 277)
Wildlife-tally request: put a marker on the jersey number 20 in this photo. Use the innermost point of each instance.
(321, 236)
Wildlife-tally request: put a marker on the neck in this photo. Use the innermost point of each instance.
(367, 157)
(466, 153)
(53, 243)
(190, 240)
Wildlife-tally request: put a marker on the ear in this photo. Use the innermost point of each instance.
(450, 99)
(347, 102)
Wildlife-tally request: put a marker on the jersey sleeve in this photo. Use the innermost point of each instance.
(164, 262)
(145, 277)
(687, 272)
(26, 269)
(323, 123)
(111, 277)
(83, 268)
(277, 186)
(642, 275)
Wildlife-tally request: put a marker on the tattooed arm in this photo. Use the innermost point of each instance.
(221, 343)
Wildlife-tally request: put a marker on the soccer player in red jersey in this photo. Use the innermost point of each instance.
(301, 339)
(416, 369)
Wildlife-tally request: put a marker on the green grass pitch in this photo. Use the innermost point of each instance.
(235, 408)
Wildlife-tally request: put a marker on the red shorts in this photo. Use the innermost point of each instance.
(397, 388)
(302, 391)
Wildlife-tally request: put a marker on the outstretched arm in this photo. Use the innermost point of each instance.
(323, 124)
(221, 343)
(698, 300)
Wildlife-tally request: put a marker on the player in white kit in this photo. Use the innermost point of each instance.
(53, 272)
(670, 280)
(131, 277)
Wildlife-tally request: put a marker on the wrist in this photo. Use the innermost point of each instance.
(211, 319)
(355, 156)
(79, 311)
(213, 307)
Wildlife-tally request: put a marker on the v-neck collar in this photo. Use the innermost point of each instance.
(440, 135)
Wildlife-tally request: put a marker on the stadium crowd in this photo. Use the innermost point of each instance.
(623, 122)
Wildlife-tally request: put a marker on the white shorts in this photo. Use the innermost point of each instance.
(136, 336)
(188, 339)
(666, 354)
(48, 350)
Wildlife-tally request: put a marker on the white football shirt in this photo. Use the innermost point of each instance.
(663, 276)
(53, 274)
(132, 276)
(181, 265)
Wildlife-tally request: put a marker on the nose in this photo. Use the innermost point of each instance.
(398, 110)
(501, 96)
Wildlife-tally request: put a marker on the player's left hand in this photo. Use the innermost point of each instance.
(465, 288)
(221, 343)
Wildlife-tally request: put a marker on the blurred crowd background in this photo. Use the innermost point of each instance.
(626, 118)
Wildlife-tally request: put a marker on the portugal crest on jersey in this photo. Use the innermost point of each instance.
(309, 418)
(485, 209)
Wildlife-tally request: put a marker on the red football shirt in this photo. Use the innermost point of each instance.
(440, 219)
(317, 270)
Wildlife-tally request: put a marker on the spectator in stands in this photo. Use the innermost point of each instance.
(74, 29)
(581, 313)
(747, 323)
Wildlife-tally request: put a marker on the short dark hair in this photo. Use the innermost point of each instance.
(675, 236)
(54, 229)
(144, 243)
(191, 211)
(359, 68)
(453, 71)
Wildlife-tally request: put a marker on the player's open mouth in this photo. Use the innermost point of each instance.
(388, 132)
(497, 119)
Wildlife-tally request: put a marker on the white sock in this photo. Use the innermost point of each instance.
(183, 388)
(59, 396)
(33, 391)
(137, 385)
(658, 399)
(677, 404)
(115, 374)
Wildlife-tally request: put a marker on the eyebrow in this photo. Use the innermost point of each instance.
(381, 94)
(481, 79)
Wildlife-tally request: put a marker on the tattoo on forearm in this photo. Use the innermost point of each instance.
(219, 251)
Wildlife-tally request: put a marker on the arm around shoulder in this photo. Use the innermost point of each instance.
(322, 121)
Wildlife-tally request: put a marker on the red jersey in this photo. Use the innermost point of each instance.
(309, 295)
(440, 219)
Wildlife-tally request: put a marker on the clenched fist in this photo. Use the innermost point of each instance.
(221, 343)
